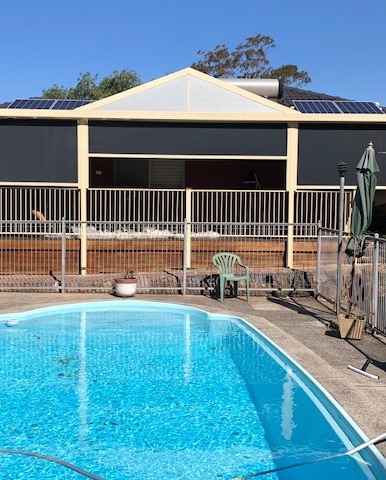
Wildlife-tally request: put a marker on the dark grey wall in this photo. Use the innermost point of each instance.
(188, 138)
(131, 172)
(321, 148)
(38, 151)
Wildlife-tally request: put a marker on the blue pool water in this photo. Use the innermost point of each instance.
(140, 390)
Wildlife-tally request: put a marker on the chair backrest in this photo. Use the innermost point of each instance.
(225, 261)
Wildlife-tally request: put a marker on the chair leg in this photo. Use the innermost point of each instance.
(222, 289)
(235, 283)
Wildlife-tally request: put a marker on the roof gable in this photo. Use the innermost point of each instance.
(187, 91)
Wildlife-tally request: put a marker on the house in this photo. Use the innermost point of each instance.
(186, 131)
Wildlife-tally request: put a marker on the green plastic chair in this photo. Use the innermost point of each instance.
(227, 264)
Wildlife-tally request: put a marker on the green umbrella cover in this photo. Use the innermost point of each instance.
(362, 209)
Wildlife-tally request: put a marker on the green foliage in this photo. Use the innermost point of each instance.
(289, 75)
(248, 60)
(56, 92)
(88, 88)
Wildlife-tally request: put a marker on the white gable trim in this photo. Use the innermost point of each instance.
(187, 91)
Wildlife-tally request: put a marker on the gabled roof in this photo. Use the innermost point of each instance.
(187, 91)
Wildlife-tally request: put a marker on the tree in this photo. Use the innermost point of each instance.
(117, 82)
(248, 60)
(289, 75)
(87, 87)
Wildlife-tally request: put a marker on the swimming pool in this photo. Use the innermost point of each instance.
(142, 390)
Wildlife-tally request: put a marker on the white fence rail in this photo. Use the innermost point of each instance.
(317, 206)
(233, 206)
(22, 203)
(136, 205)
(172, 205)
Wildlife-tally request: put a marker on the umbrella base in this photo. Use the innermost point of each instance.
(351, 327)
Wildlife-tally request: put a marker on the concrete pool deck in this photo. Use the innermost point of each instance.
(299, 325)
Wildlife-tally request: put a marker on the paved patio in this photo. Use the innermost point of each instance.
(299, 325)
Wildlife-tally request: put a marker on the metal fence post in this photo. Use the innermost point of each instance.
(63, 260)
(374, 313)
(318, 258)
(185, 257)
(342, 168)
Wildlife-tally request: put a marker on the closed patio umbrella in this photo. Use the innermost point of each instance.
(362, 209)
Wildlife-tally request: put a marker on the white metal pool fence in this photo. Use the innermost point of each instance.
(363, 279)
(171, 257)
(173, 205)
(176, 257)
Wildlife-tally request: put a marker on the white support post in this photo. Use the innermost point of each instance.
(187, 232)
(83, 183)
(291, 185)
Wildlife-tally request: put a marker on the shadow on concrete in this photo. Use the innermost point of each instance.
(372, 348)
(322, 315)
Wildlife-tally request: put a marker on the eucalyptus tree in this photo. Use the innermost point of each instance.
(248, 60)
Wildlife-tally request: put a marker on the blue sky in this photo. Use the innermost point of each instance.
(340, 43)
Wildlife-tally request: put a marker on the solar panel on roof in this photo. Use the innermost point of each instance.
(15, 104)
(316, 106)
(39, 103)
(357, 107)
(69, 104)
(335, 106)
(47, 104)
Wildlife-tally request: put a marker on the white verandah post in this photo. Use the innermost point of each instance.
(83, 183)
(291, 185)
(188, 227)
